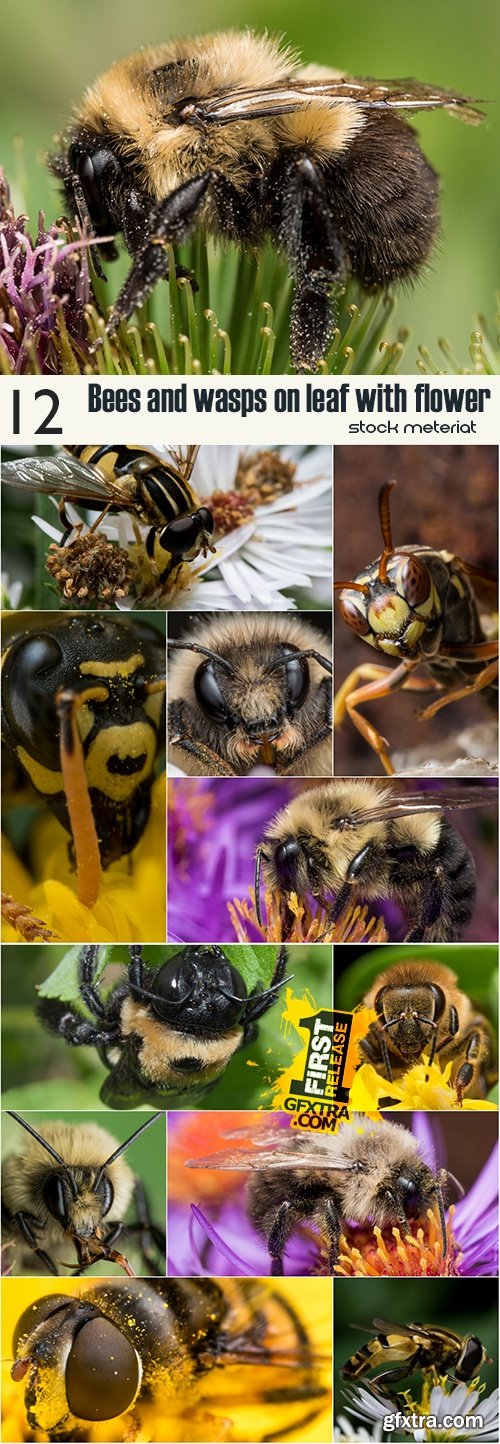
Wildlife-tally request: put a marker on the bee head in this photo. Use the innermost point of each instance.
(409, 1015)
(77, 1364)
(197, 991)
(394, 601)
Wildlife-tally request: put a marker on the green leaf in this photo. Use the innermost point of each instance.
(64, 982)
(256, 964)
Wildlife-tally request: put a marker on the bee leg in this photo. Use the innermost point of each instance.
(180, 736)
(149, 1236)
(484, 679)
(259, 999)
(23, 1223)
(308, 236)
(169, 223)
(474, 1056)
(281, 1229)
(332, 1227)
(384, 681)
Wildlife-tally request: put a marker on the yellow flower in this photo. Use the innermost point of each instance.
(132, 893)
(423, 1087)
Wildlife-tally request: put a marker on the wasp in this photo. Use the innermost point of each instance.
(133, 479)
(83, 717)
(165, 1033)
(413, 1347)
(111, 1348)
(422, 607)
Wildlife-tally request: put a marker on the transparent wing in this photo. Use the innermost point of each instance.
(279, 1158)
(61, 475)
(422, 1333)
(445, 800)
(288, 96)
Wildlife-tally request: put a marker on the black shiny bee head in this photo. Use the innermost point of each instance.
(198, 992)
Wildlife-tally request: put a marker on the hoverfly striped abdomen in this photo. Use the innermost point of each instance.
(158, 491)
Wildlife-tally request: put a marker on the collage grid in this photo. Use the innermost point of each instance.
(349, 910)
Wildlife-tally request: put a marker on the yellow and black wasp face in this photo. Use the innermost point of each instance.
(110, 674)
(394, 602)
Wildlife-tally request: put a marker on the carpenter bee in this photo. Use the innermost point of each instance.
(126, 478)
(116, 1346)
(420, 1009)
(250, 689)
(421, 606)
(415, 1346)
(363, 839)
(368, 1170)
(230, 132)
(165, 1033)
(83, 715)
(72, 1185)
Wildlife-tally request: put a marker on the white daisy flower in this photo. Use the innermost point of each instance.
(462, 1402)
(285, 544)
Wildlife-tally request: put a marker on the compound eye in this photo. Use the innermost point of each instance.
(238, 985)
(472, 1358)
(379, 1002)
(206, 519)
(106, 1193)
(31, 675)
(352, 616)
(297, 680)
(89, 169)
(102, 1372)
(286, 861)
(439, 1000)
(55, 1197)
(412, 1198)
(37, 1313)
(415, 581)
(169, 983)
(181, 535)
(208, 693)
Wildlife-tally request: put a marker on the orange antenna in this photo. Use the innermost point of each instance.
(352, 587)
(385, 526)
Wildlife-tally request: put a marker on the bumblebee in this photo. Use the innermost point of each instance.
(83, 716)
(420, 1009)
(349, 840)
(126, 478)
(250, 689)
(72, 1185)
(367, 1170)
(167, 1033)
(415, 1346)
(230, 132)
(422, 607)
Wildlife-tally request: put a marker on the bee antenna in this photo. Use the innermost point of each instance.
(123, 1146)
(48, 1149)
(385, 527)
(352, 587)
(458, 1185)
(204, 652)
(174, 1003)
(258, 868)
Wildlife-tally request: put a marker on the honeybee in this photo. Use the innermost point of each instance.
(415, 1346)
(126, 478)
(422, 607)
(117, 1347)
(72, 1185)
(249, 689)
(230, 132)
(363, 839)
(367, 1170)
(421, 1009)
(165, 1033)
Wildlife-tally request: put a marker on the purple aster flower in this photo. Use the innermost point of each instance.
(475, 1218)
(44, 288)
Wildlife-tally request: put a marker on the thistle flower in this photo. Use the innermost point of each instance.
(273, 530)
(44, 289)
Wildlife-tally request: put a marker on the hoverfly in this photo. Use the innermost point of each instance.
(423, 607)
(134, 479)
(412, 1347)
